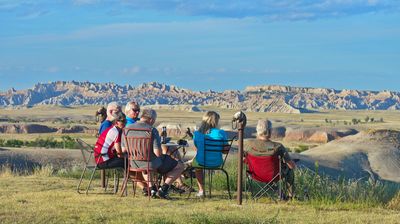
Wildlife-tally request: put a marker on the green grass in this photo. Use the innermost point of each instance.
(49, 196)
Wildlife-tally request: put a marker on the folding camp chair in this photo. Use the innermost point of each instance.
(139, 145)
(263, 176)
(90, 164)
(210, 146)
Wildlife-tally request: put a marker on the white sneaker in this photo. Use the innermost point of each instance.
(200, 194)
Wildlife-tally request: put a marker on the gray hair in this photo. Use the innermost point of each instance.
(149, 114)
(131, 105)
(111, 109)
(264, 127)
(210, 120)
(119, 116)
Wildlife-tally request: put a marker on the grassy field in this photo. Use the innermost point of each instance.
(48, 196)
(85, 115)
(42, 198)
(391, 118)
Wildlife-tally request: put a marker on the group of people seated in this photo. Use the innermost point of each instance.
(111, 148)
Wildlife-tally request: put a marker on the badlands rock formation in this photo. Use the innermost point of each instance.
(372, 154)
(37, 128)
(267, 98)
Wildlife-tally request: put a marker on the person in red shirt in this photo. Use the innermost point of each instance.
(107, 151)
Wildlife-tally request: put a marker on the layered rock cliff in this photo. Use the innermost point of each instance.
(269, 98)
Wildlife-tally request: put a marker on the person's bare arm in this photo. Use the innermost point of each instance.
(118, 148)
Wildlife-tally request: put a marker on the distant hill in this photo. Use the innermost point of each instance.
(368, 154)
(268, 98)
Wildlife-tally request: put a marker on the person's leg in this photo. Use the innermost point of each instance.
(138, 177)
(200, 179)
(112, 163)
(289, 179)
(174, 174)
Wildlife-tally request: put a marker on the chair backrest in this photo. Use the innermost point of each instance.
(263, 168)
(217, 148)
(86, 150)
(138, 143)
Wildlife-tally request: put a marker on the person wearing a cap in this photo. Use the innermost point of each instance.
(107, 151)
(263, 145)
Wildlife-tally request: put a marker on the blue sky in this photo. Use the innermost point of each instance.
(208, 44)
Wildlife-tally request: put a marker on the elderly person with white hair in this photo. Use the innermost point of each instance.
(132, 110)
(262, 145)
(112, 109)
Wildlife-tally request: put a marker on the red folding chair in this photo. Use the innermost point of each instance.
(263, 176)
(139, 145)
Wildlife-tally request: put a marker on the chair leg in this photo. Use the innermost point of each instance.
(78, 188)
(107, 177)
(124, 183)
(191, 181)
(204, 182)
(227, 184)
(209, 183)
(134, 183)
(116, 181)
(91, 178)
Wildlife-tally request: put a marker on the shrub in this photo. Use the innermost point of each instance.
(301, 148)
(395, 202)
(66, 142)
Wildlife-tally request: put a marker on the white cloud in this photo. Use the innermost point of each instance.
(131, 71)
(269, 9)
(221, 70)
(273, 9)
(85, 2)
(53, 69)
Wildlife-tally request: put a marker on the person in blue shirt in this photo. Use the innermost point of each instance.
(112, 108)
(132, 110)
(208, 130)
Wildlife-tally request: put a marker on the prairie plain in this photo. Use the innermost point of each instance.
(47, 193)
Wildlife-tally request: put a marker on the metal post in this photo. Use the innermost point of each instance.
(240, 164)
(241, 120)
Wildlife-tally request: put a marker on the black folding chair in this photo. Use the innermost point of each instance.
(212, 145)
(90, 164)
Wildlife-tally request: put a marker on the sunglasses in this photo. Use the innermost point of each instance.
(137, 110)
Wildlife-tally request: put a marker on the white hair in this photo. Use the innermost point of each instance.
(264, 127)
(131, 105)
(149, 114)
(113, 106)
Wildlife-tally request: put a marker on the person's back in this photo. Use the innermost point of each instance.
(263, 146)
(209, 158)
(143, 126)
(259, 147)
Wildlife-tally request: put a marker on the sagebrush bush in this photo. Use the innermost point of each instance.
(310, 185)
(395, 202)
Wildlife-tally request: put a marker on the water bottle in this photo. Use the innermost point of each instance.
(164, 135)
